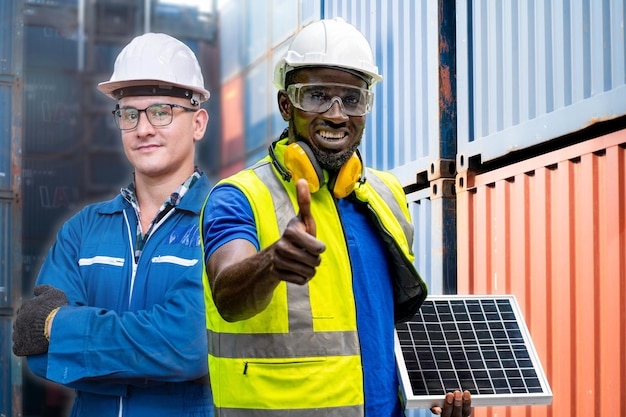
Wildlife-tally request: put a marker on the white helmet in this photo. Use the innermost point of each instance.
(156, 64)
(329, 43)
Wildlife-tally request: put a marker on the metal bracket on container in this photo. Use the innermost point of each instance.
(465, 180)
(442, 188)
(442, 168)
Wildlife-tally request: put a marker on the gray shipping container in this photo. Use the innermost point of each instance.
(11, 128)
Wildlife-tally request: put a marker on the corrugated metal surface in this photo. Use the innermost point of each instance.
(6, 95)
(230, 38)
(531, 71)
(434, 242)
(11, 82)
(259, 102)
(552, 231)
(232, 141)
(51, 194)
(208, 149)
(49, 48)
(421, 211)
(52, 112)
(403, 130)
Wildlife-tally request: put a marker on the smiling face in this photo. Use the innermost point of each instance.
(164, 151)
(332, 135)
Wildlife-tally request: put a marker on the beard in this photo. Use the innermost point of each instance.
(330, 161)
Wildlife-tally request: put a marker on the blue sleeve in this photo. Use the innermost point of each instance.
(227, 216)
(38, 365)
(163, 343)
(103, 350)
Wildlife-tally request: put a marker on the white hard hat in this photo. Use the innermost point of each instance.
(156, 64)
(329, 43)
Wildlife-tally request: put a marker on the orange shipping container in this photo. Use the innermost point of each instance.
(232, 140)
(552, 231)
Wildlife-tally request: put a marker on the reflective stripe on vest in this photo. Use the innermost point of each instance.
(300, 315)
(350, 411)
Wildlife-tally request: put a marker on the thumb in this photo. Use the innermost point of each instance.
(304, 205)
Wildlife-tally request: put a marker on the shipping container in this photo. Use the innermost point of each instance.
(258, 106)
(230, 39)
(11, 139)
(552, 231)
(232, 140)
(50, 48)
(208, 149)
(52, 111)
(532, 71)
(185, 21)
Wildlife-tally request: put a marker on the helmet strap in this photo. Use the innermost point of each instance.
(289, 69)
(156, 90)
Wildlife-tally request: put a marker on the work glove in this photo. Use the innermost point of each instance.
(28, 329)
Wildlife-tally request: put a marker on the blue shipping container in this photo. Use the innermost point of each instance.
(531, 71)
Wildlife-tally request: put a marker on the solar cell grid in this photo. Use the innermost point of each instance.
(473, 343)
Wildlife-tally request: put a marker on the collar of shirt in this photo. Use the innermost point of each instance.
(129, 193)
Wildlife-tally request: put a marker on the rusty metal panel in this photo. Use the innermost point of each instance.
(232, 148)
(531, 71)
(232, 145)
(552, 231)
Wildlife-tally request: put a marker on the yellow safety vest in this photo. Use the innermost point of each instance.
(302, 352)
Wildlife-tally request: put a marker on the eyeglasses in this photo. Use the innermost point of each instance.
(127, 118)
(318, 98)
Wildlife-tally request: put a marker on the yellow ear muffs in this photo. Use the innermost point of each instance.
(299, 162)
(347, 177)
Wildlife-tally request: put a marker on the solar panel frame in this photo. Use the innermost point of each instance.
(491, 347)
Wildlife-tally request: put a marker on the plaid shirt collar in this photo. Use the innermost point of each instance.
(129, 193)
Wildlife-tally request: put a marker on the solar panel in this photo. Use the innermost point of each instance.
(475, 343)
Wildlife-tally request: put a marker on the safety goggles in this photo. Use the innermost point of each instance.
(318, 98)
(127, 118)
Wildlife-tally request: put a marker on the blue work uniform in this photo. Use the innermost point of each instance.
(133, 340)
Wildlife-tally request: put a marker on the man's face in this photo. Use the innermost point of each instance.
(163, 150)
(332, 135)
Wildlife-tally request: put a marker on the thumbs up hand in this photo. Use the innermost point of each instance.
(304, 204)
(297, 252)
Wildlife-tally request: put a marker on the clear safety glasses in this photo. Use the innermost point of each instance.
(127, 118)
(318, 98)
